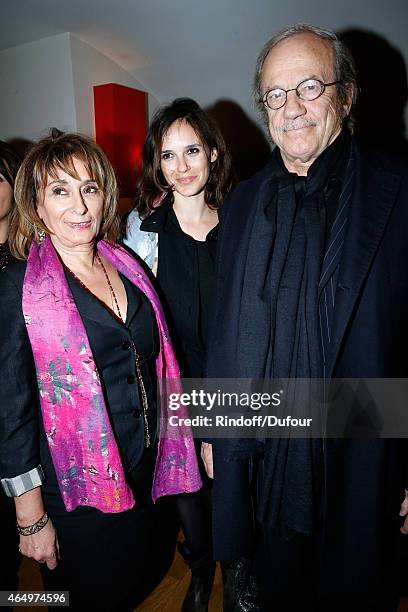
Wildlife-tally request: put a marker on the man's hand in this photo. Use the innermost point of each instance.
(207, 457)
(42, 546)
(404, 512)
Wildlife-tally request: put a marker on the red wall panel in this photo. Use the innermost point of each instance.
(120, 126)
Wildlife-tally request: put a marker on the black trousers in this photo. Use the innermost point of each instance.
(110, 562)
(194, 513)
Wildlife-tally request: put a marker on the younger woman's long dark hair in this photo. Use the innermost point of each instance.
(152, 184)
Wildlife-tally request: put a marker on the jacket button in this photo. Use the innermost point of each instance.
(131, 379)
(126, 345)
(137, 413)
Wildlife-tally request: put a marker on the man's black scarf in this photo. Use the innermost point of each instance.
(279, 334)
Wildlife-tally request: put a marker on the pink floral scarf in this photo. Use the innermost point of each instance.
(79, 434)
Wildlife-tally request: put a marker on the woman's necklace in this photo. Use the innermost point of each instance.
(115, 306)
(145, 404)
(113, 294)
(142, 388)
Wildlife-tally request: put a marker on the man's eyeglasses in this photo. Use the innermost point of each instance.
(308, 90)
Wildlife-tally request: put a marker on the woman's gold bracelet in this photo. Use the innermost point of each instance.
(32, 529)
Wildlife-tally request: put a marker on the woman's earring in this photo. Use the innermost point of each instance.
(40, 234)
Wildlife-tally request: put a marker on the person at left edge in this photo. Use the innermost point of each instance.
(9, 164)
(82, 331)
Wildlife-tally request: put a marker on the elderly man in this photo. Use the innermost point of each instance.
(312, 282)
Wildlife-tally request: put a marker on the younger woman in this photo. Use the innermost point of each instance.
(186, 174)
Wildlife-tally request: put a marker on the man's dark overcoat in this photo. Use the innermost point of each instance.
(364, 479)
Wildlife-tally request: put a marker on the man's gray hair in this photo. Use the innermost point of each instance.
(344, 67)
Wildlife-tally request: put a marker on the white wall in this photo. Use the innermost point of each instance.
(48, 83)
(89, 68)
(36, 88)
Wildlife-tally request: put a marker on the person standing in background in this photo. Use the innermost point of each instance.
(9, 164)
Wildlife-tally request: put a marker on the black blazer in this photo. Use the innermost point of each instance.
(23, 443)
(364, 478)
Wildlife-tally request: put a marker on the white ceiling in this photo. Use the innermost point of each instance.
(205, 49)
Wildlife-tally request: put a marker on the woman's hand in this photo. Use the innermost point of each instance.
(207, 457)
(42, 546)
(404, 512)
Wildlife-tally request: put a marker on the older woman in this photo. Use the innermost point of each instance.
(186, 175)
(82, 331)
